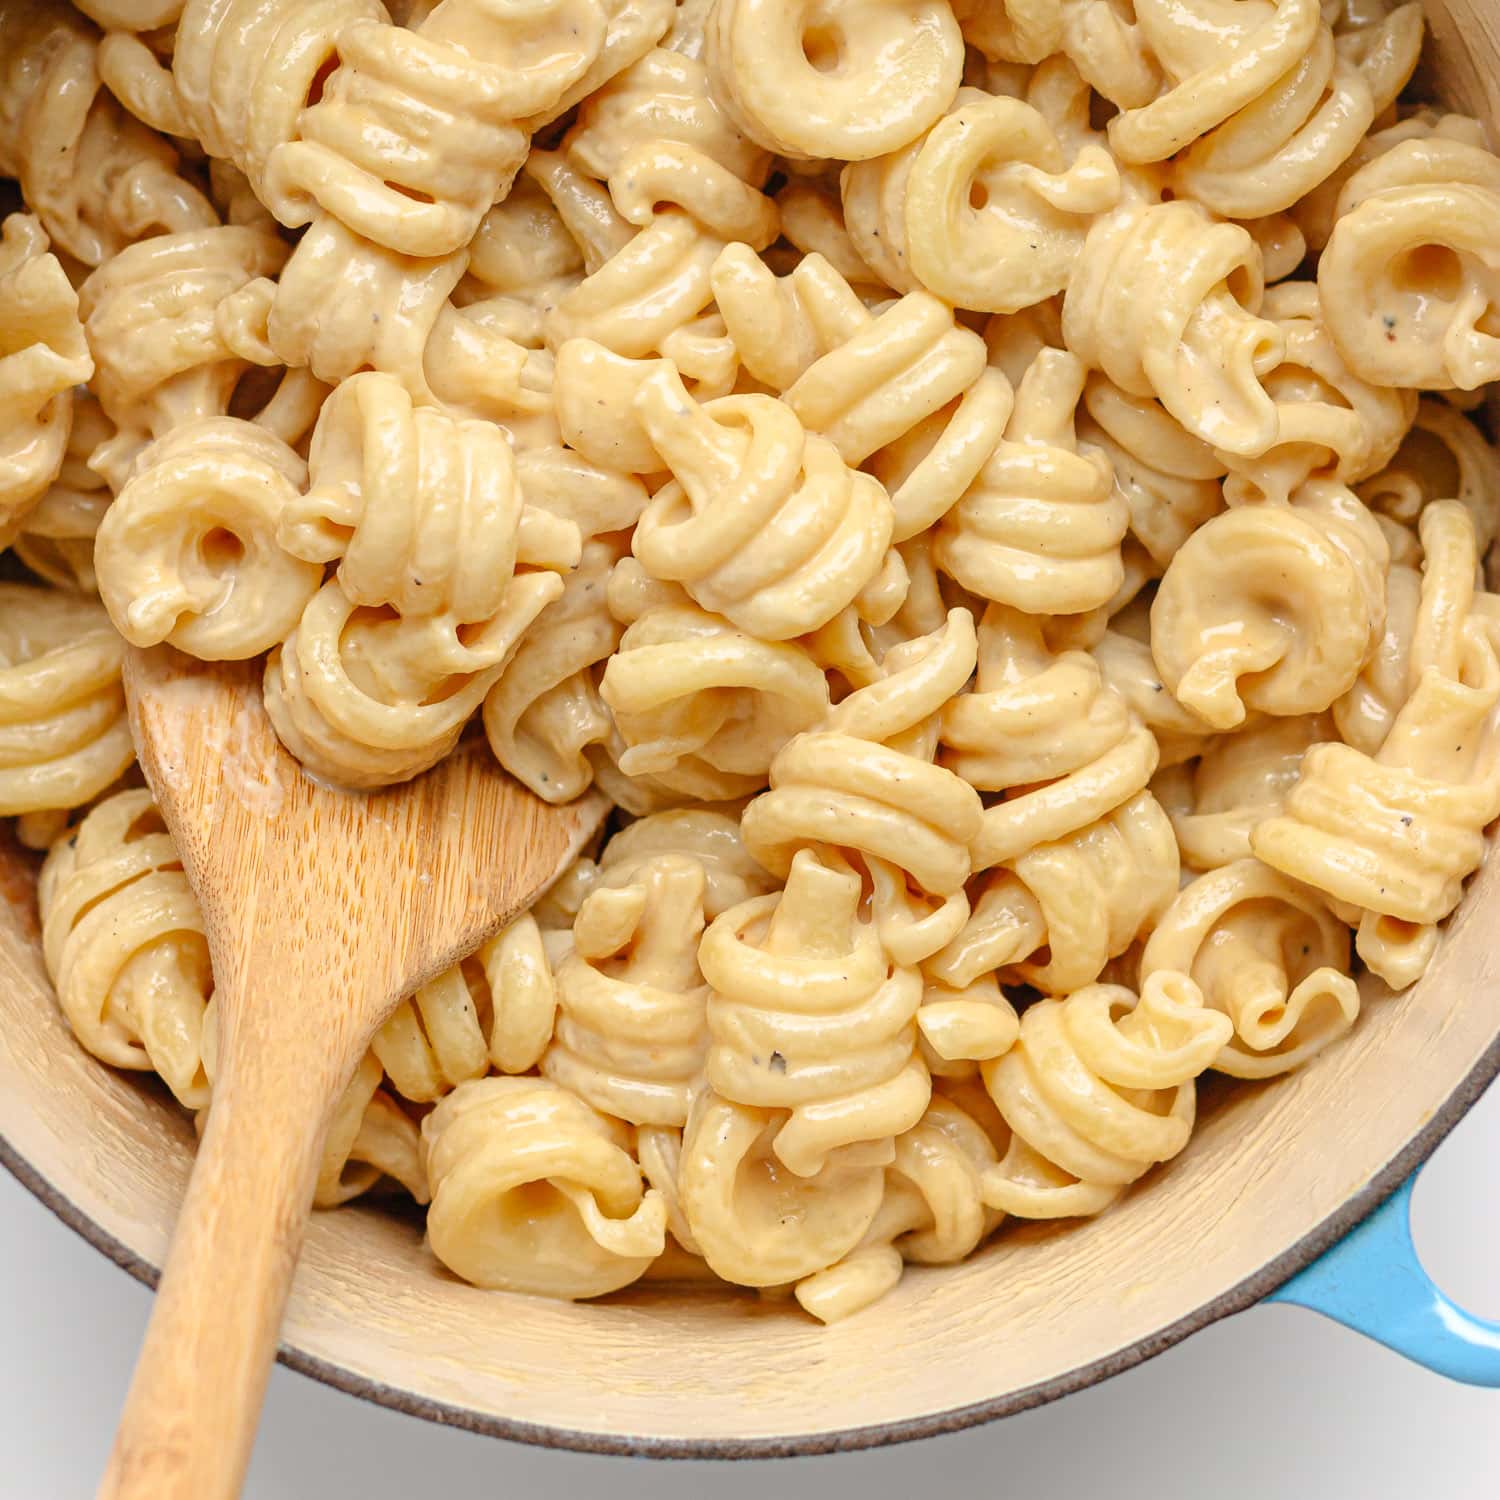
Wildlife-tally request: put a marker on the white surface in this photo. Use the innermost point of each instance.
(1275, 1402)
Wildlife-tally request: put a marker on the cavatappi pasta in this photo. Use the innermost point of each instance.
(998, 494)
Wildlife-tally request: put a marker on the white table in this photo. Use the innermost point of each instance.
(1275, 1403)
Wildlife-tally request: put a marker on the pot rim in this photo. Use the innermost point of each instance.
(1237, 1298)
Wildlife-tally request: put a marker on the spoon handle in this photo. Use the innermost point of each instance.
(190, 1417)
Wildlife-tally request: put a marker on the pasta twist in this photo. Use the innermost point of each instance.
(1165, 302)
(419, 131)
(422, 511)
(1217, 59)
(1266, 952)
(63, 733)
(1316, 213)
(701, 707)
(710, 839)
(496, 1008)
(932, 1212)
(1168, 479)
(1040, 528)
(682, 182)
(1442, 456)
(1330, 423)
(834, 78)
(533, 1191)
(253, 80)
(1410, 277)
(1103, 41)
(1393, 834)
(124, 943)
(753, 1221)
(762, 521)
(1098, 1089)
(188, 552)
(544, 717)
(1239, 780)
(1082, 855)
(631, 1030)
(1283, 143)
(809, 1015)
(1272, 607)
(96, 177)
(43, 355)
(987, 210)
(865, 783)
(366, 700)
(156, 319)
(56, 539)
(867, 382)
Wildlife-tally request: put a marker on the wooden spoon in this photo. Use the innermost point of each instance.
(322, 908)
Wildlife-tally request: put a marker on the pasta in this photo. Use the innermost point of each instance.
(1406, 281)
(42, 357)
(1081, 854)
(985, 210)
(63, 735)
(1040, 528)
(96, 178)
(533, 1191)
(997, 493)
(1099, 1087)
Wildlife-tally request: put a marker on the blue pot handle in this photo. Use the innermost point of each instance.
(1372, 1281)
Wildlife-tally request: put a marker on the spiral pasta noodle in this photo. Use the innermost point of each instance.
(866, 783)
(866, 381)
(1269, 954)
(1407, 278)
(1166, 302)
(1081, 855)
(1099, 1088)
(496, 1008)
(533, 1191)
(805, 535)
(933, 1211)
(986, 211)
(96, 178)
(1297, 638)
(1330, 423)
(1394, 834)
(654, 180)
(701, 707)
(809, 1015)
(1041, 526)
(125, 946)
(631, 1030)
(63, 734)
(1285, 142)
(43, 356)
(850, 78)
(544, 717)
